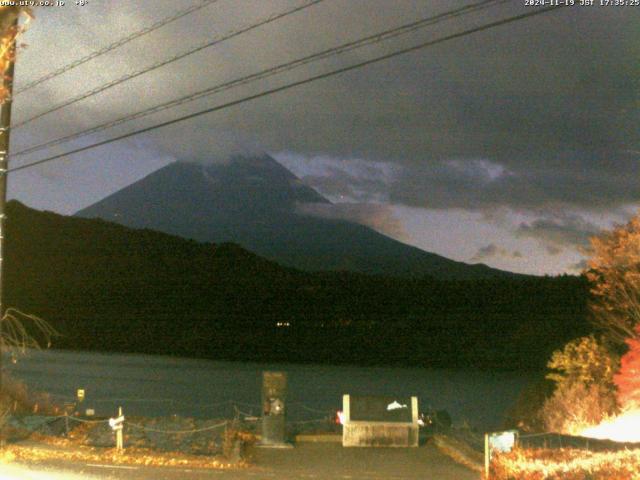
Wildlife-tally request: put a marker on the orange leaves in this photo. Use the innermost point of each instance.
(566, 464)
(583, 360)
(614, 271)
(584, 394)
(628, 378)
(8, 35)
(131, 456)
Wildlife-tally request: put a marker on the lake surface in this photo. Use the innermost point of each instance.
(156, 386)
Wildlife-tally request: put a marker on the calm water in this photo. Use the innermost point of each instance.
(155, 385)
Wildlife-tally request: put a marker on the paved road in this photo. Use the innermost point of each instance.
(313, 461)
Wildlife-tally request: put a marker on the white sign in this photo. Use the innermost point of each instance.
(502, 441)
(116, 423)
(395, 406)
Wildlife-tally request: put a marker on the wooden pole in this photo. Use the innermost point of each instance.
(5, 125)
(119, 443)
(487, 458)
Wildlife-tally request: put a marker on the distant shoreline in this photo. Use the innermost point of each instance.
(284, 364)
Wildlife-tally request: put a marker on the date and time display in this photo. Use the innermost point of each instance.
(582, 3)
(42, 3)
(527, 3)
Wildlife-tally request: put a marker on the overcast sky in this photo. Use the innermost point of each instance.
(510, 146)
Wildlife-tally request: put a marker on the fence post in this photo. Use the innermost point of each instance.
(486, 456)
(119, 443)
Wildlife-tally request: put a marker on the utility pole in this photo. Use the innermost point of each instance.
(5, 125)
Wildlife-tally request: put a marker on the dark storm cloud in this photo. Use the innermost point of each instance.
(337, 182)
(590, 180)
(558, 232)
(538, 114)
(551, 103)
(576, 180)
(492, 250)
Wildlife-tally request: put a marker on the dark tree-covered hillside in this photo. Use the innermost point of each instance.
(107, 287)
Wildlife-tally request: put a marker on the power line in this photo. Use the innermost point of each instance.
(297, 83)
(179, 56)
(376, 38)
(118, 43)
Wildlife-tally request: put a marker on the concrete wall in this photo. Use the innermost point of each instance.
(370, 434)
(367, 433)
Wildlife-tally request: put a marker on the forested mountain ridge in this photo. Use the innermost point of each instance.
(112, 288)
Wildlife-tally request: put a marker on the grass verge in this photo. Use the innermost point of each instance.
(131, 456)
(566, 464)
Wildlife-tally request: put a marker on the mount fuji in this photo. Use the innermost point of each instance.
(255, 202)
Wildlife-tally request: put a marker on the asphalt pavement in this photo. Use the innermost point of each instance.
(317, 461)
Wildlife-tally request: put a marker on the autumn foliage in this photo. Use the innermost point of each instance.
(593, 383)
(8, 35)
(584, 395)
(614, 272)
(565, 464)
(628, 378)
(583, 360)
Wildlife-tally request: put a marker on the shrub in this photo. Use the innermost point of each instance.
(576, 406)
(565, 464)
(585, 393)
(16, 398)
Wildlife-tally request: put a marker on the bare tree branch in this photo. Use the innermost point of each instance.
(16, 338)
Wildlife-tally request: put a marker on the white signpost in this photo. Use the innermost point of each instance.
(117, 425)
(498, 442)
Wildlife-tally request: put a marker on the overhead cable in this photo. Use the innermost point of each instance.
(112, 46)
(269, 72)
(296, 84)
(162, 63)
